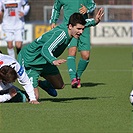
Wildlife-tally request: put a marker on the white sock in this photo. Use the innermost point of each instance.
(11, 52)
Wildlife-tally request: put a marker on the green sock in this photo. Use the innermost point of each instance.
(71, 64)
(81, 66)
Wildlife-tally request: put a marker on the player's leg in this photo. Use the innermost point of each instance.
(53, 80)
(52, 83)
(18, 46)
(10, 49)
(84, 48)
(9, 39)
(18, 39)
(71, 62)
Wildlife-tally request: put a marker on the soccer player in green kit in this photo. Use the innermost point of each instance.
(84, 7)
(40, 57)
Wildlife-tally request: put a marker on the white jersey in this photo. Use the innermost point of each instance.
(11, 18)
(22, 76)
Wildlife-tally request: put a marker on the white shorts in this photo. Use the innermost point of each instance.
(13, 35)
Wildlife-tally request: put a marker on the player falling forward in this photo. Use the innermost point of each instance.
(40, 58)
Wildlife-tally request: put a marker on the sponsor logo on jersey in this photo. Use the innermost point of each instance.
(70, 70)
(21, 71)
(12, 5)
(1, 62)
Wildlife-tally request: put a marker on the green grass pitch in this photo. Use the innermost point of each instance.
(100, 106)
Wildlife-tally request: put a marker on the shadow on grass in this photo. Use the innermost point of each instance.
(71, 99)
(90, 84)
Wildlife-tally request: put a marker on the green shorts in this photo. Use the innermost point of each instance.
(83, 43)
(34, 72)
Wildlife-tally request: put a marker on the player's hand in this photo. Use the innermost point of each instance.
(58, 62)
(99, 15)
(83, 9)
(34, 102)
(12, 92)
(53, 25)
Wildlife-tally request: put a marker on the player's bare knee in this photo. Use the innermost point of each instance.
(72, 51)
(85, 55)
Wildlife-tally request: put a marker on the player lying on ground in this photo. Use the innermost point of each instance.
(10, 70)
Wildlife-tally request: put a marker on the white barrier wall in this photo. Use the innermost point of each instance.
(110, 33)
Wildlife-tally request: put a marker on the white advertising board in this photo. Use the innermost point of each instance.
(120, 33)
(105, 33)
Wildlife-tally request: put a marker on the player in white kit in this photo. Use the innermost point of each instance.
(12, 13)
(10, 69)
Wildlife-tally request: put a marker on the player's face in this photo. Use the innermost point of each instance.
(77, 30)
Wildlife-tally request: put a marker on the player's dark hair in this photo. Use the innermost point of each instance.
(76, 18)
(8, 74)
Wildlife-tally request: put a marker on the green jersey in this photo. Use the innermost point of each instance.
(70, 7)
(46, 48)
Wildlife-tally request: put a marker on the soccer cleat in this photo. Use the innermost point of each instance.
(51, 91)
(74, 83)
(79, 85)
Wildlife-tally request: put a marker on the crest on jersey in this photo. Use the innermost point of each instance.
(21, 71)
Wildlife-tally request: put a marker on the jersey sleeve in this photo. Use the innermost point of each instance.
(57, 39)
(90, 22)
(91, 5)
(55, 11)
(24, 80)
(25, 8)
(5, 97)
